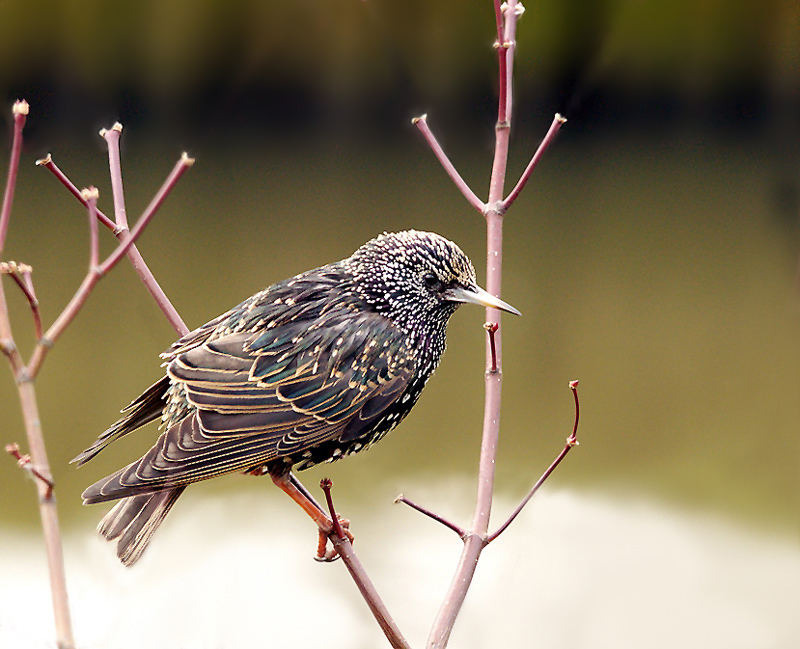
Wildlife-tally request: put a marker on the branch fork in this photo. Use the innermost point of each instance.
(486, 539)
(476, 537)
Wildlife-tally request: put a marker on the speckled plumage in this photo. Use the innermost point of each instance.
(309, 370)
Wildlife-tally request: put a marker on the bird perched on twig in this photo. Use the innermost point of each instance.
(309, 370)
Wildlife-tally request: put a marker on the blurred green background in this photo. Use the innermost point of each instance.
(654, 254)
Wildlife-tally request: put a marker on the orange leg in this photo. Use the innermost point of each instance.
(291, 486)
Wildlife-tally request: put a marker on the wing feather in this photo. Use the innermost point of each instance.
(256, 398)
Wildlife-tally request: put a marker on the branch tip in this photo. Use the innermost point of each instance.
(518, 8)
(43, 162)
(573, 385)
(421, 118)
(116, 128)
(21, 107)
(427, 512)
(90, 193)
(13, 268)
(186, 160)
(560, 118)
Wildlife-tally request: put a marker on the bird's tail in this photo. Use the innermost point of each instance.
(142, 410)
(135, 519)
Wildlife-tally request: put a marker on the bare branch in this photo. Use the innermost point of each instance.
(47, 163)
(135, 257)
(21, 274)
(439, 519)
(558, 120)
(20, 111)
(91, 195)
(421, 123)
(491, 330)
(24, 462)
(111, 136)
(47, 510)
(571, 441)
(169, 184)
(506, 17)
(97, 272)
(345, 549)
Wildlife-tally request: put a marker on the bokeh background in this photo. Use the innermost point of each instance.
(654, 255)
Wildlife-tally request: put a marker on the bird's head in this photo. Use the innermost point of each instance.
(416, 277)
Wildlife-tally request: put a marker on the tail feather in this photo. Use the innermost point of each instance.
(135, 519)
(142, 410)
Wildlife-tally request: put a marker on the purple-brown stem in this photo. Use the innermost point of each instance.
(421, 123)
(20, 112)
(558, 121)
(491, 329)
(52, 167)
(127, 242)
(91, 195)
(98, 271)
(111, 136)
(135, 257)
(506, 16)
(21, 274)
(359, 575)
(38, 464)
(427, 512)
(571, 441)
(24, 462)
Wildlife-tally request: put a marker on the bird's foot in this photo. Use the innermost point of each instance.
(326, 531)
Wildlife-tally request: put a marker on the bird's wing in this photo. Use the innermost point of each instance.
(259, 396)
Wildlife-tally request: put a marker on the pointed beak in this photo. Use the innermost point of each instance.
(476, 295)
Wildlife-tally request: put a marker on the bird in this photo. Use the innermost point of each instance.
(309, 370)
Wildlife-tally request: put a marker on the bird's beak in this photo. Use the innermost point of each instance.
(476, 295)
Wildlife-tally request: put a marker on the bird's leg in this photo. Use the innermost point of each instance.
(292, 487)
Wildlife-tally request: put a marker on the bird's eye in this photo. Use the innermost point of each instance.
(431, 281)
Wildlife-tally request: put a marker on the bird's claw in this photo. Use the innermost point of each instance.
(324, 553)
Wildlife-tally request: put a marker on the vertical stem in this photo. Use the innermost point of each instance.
(111, 136)
(49, 515)
(30, 413)
(494, 274)
(475, 539)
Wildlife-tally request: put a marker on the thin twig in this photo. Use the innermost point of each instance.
(491, 330)
(359, 575)
(421, 123)
(20, 112)
(169, 184)
(52, 167)
(111, 136)
(558, 121)
(135, 257)
(24, 462)
(91, 195)
(97, 272)
(571, 441)
(21, 274)
(438, 518)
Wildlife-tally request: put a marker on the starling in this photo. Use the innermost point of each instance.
(309, 370)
